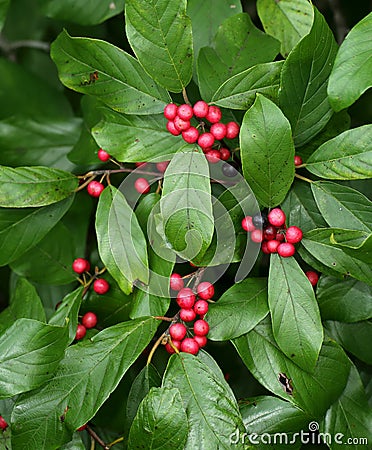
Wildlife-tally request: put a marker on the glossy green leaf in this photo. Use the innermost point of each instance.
(121, 243)
(348, 156)
(95, 67)
(353, 239)
(34, 186)
(160, 421)
(238, 310)
(86, 376)
(267, 152)
(303, 86)
(344, 301)
(287, 20)
(343, 207)
(203, 390)
(239, 91)
(313, 392)
(136, 138)
(22, 229)
(160, 35)
(351, 73)
(75, 444)
(4, 4)
(30, 352)
(186, 204)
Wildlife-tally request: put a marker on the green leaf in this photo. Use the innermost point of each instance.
(160, 35)
(343, 207)
(287, 20)
(75, 444)
(351, 73)
(202, 390)
(296, 322)
(160, 421)
(186, 205)
(267, 152)
(121, 243)
(313, 392)
(4, 5)
(22, 229)
(238, 310)
(30, 352)
(353, 239)
(346, 301)
(303, 86)
(345, 157)
(136, 138)
(86, 376)
(34, 186)
(239, 91)
(95, 67)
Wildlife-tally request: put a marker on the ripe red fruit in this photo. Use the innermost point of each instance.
(201, 327)
(80, 265)
(218, 130)
(213, 156)
(206, 140)
(225, 154)
(185, 112)
(200, 109)
(214, 114)
(189, 345)
(256, 236)
(142, 186)
(172, 128)
(140, 164)
(162, 166)
(270, 233)
(205, 290)
(191, 135)
(102, 155)
(81, 331)
(176, 282)
(247, 224)
(280, 237)
(170, 111)
(95, 188)
(264, 247)
(285, 249)
(201, 307)
(297, 160)
(3, 423)
(101, 286)
(201, 340)
(187, 315)
(312, 276)
(276, 217)
(89, 320)
(170, 349)
(272, 246)
(293, 235)
(232, 130)
(185, 298)
(177, 331)
(180, 124)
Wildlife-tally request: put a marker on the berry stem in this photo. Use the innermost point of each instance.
(116, 441)
(185, 97)
(155, 346)
(82, 186)
(96, 438)
(303, 178)
(166, 319)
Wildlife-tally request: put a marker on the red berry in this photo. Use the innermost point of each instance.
(89, 320)
(200, 109)
(285, 249)
(170, 111)
(80, 265)
(201, 307)
(201, 327)
(312, 276)
(170, 349)
(276, 217)
(225, 154)
(214, 114)
(180, 124)
(177, 331)
(83, 427)
(280, 237)
(213, 156)
(206, 140)
(232, 130)
(162, 166)
(189, 345)
(140, 164)
(3, 423)
(256, 236)
(81, 331)
(102, 155)
(247, 224)
(185, 112)
(95, 188)
(201, 340)
(191, 135)
(264, 247)
(218, 130)
(142, 185)
(176, 282)
(172, 128)
(101, 286)
(187, 315)
(186, 298)
(270, 233)
(293, 235)
(297, 160)
(272, 246)
(205, 290)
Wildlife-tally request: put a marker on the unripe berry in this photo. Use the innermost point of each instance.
(201, 327)
(170, 111)
(187, 315)
(247, 224)
(177, 331)
(185, 298)
(218, 130)
(276, 217)
(201, 340)
(232, 130)
(270, 233)
(200, 109)
(185, 112)
(297, 160)
(205, 290)
(293, 235)
(285, 249)
(162, 166)
(95, 188)
(225, 153)
(102, 155)
(214, 114)
(189, 345)
(176, 282)
(180, 124)
(89, 320)
(313, 277)
(206, 140)
(142, 186)
(191, 135)
(213, 156)
(80, 265)
(272, 246)
(172, 128)
(201, 307)
(256, 236)
(101, 286)
(170, 349)
(81, 331)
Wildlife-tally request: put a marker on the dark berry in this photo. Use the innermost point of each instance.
(259, 220)
(270, 233)
(229, 169)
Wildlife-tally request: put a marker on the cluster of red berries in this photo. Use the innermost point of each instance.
(141, 185)
(89, 320)
(190, 308)
(3, 423)
(274, 236)
(179, 122)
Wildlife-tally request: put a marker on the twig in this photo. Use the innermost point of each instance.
(95, 436)
(303, 178)
(9, 47)
(185, 97)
